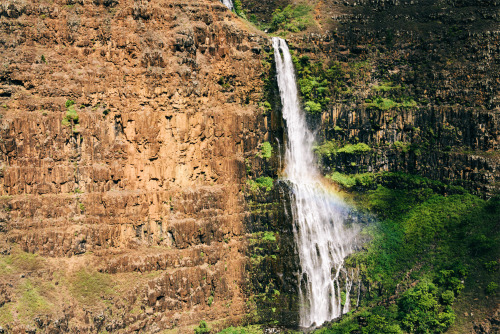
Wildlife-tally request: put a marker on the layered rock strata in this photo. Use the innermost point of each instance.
(124, 130)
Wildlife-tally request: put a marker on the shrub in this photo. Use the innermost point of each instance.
(202, 328)
(263, 182)
(448, 297)
(71, 118)
(382, 103)
(269, 236)
(419, 311)
(491, 288)
(354, 149)
(266, 150)
(491, 266)
(332, 148)
(312, 107)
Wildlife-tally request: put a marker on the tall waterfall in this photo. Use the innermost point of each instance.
(228, 4)
(318, 217)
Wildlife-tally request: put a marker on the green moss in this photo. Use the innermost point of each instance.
(316, 83)
(354, 148)
(312, 107)
(400, 146)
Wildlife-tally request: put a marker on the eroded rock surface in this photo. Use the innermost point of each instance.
(143, 185)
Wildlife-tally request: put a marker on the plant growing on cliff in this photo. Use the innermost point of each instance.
(71, 118)
(266, 150)
(382, 103)
(263, 182)
(292, 18)
(202, 328)
(238, 9)
(332, 148)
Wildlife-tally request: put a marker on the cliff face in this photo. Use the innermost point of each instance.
(124, 128)
(419, 83)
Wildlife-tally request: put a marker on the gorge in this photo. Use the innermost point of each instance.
(164, 169)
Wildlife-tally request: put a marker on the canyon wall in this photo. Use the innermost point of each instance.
(131, 137)
(124, 131)
(419, 84)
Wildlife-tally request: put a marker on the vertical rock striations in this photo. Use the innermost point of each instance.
(124, 128)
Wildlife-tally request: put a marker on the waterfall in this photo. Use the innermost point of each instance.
(322, 239)
(228, 4)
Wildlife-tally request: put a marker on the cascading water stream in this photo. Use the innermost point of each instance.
(228, 4)
(323, 241)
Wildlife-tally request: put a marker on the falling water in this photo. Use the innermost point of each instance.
(228, 4)
(318, 217)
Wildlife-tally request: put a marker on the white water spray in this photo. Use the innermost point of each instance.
(228, 4)
(318, 217)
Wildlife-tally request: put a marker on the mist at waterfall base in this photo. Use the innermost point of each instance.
(323, 240)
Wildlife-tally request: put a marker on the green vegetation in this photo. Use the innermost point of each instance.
(71, 118)
(293, 18)
(252, 329)
(238, 9)
(316, 84)
(429, 238)
(202, 328)
(31, 302)
(263, 182)
(20, 261)
(491, 288)
(400, 146)
(386, 86)
(382, 103)
(354, 180)
(266, 150)
(89, 287)
(210, 300)
(6, 314)
(269, 236)
(332, 148)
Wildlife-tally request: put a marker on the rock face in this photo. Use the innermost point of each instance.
(124, 130)
(439, 58)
